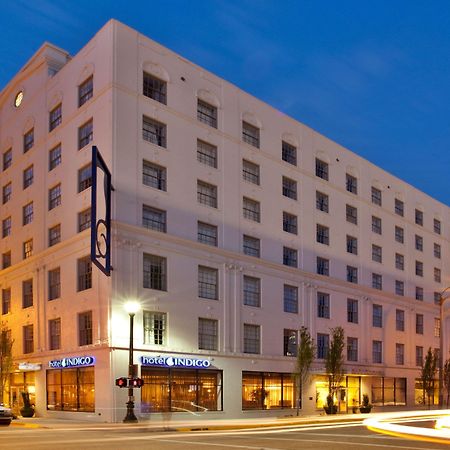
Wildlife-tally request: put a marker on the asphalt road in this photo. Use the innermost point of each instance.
(307, 437)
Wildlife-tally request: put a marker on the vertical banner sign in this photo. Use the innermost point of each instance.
(101, 213)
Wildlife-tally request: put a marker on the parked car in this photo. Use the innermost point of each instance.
(6, 415)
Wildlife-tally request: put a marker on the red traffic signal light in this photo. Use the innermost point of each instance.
(136, 382)
(122, 382)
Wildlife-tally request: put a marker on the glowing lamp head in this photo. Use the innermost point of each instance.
(132, 307)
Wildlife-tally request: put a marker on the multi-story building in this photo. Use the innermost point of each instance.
(233, 225)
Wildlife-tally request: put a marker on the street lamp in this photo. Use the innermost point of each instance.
(442, 300)
(131, 308)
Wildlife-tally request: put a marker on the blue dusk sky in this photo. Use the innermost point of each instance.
(372, 76)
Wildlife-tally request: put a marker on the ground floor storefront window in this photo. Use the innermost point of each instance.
(71, 389)
(21, 382)
(267, 390)
(180, 390)
(421, 397)
(388, 391)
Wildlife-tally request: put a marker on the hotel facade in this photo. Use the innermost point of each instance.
(233, 225)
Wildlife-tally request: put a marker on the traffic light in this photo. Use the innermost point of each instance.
(122, 382)
(136, 382)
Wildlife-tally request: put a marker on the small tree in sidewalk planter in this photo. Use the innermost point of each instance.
(334, 366)
(366, 406)
(427, 375)
(28, 409)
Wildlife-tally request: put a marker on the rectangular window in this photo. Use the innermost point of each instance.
(290, 299)
(54, 334)
(6, 260)
(419, 243)
(289, 342)
(251, 246)
(322, 234)
(54, 283)
(28, 249)
(399, 235)
(6, 227)
(377, 281)
(323, 305)
(206, 154)
(352, 245)
(251, 209)
(323, 266)
(418, 217)
(400, 354)
(6, 193)
(323, 344)
(437, 275)
(28, 140)
(352, 349)
(6, 301)
(436, 225)
(207, 233)
(290, 257)
(376, 225)
(377, 253)
(28, 176)
(84, 272)
(399, 261)
(154, 175)
(154, 328)
(352, 274)
(207, 113)
(208, 333)
(437, 327)
(84, 178)
(351, 183)
(419, 323)
(85, 134)
(419, 356)
(399, 207)
(376, 196)
(85, 91)
(437, 250)
(54, 157)
(54, 197)
(352, 310)
(377, 316)
(377, 355)
(252, 291)
(154, 131)
(419, 293)
(289, 153)
(250, 172)
(153, 218)
(399, 287)
(55, 117)
(252, 338)
(289, 188)
(322, 201)
(84, 220)
(400, 320)
(419, 268)
(27, 293)
(7, 159)
(208, 283)
(207, 194)
(85, 328)
(351, 214)
(289, 223)
(154, 88)
(250, 134)
(28, 339)
(27, 214)
(321, 169)
(155, 272)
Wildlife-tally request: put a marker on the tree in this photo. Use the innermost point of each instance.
(6, 359)
(305, 357)
(334, 362)
(446, 378)
(428, 373)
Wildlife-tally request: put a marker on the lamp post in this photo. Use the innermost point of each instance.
(442, 300)
(132, 308)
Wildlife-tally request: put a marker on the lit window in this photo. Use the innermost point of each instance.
(289, 342)
(154, 328)
(28, 249)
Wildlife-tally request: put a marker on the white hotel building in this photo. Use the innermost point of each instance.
(233, 225)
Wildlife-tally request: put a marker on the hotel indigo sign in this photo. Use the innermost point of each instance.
(174, 361)
(74, 361)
